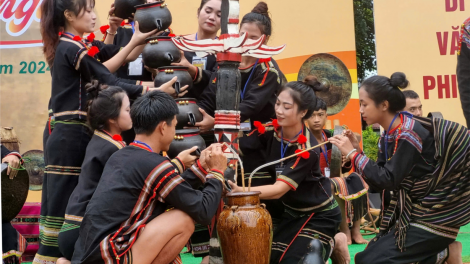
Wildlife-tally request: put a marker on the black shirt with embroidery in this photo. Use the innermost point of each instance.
(310, 190)
(98, 151)
(73, 68)
(136, 186)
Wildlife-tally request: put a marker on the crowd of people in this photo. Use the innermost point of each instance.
(111, 195)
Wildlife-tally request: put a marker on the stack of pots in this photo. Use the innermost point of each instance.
(159, 53)
(186, 138)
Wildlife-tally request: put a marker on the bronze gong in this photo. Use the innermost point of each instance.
(336, 156)
(14, 193)
(332, 72)
(35, 167)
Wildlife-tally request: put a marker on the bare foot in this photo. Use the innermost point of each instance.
(205, 260)
(340, 254)
(63, 261)
(356, 233)
(455, 253)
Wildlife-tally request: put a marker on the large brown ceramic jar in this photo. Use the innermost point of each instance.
(245, 230)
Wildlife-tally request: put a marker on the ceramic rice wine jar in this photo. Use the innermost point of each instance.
(153, 16)
(189, 113)
(159, 52)
(245, 230)
(126, 8)
(185, 139)
(165, 74)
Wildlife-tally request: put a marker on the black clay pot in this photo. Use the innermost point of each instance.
(126, 8)
(186, 139)
(189, 113)
(165, 74)
(153, 16)
(160, 52)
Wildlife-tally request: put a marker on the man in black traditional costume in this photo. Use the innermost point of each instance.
(128, 218)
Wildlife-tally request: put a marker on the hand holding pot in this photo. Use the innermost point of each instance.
(235, 188)
(168, 88)
(114, 21)
(186, 157)
(216, 159)
(207, 122)
(185, 63)
(139, 38)
(13, 162)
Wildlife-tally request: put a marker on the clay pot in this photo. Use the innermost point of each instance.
(160, 52)
(186, 139)
(165, 74)
(126, 8)
(153, 16)
(189, 113)
(245, 230)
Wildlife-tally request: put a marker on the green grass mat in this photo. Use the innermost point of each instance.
(463, 237)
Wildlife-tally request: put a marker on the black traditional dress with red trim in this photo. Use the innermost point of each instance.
(309, 200)
(101, 147)
(136, 186)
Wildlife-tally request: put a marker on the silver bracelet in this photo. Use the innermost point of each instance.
(347, 156)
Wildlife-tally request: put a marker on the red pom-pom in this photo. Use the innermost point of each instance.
(304, 155)
(302, 139)
(104, 28)
(91, 37)
(260, 127)
(77, 38)
(60, 34)
(275, 124)
(93, 51)
(123, 23)
(264, 60)
(171, 35)
(117, 137)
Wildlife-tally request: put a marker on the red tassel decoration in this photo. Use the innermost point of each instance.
(171, 35)
(93, 51)
(60, 34)
(77, 38)
(275, 124)
(260, 127)
(117, 137)
(302, 139)
(264, 60)
(91, 37)
(123, 23)
(104, 28)
(305, 155)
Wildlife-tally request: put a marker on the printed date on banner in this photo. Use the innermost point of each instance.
(25, 67)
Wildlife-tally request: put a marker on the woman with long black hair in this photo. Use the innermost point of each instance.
(425, 163)
(74, 62)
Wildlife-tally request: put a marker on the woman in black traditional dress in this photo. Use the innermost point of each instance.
(310, 210)
(74, 61)
(108, 116)
(260, 80)
(424, 162)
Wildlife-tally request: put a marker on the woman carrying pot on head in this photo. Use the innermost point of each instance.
(424, 162)
(310, 211)
(74, 61)
(260, 80)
